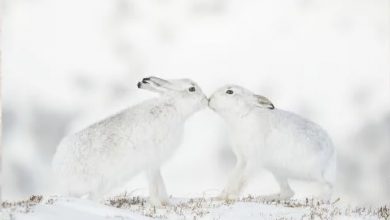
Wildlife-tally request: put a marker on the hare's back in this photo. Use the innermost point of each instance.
(301, 132)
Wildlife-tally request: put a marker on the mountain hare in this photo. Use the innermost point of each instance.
(284, 143)
(108, 153)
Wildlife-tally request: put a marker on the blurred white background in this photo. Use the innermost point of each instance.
(68, 63)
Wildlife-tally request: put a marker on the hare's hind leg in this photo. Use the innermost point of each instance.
(327, 188)
(285, 190)
(328, 178)
(157, 191)
(327, 191)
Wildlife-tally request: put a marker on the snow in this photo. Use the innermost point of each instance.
(71, 208)
(63, 208)
(257, 211)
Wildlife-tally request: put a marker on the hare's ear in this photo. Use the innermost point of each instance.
(263, 102)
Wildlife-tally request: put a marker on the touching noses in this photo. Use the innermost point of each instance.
(210, 99)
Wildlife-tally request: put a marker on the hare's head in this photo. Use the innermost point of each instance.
(236, 100)
(186, 93)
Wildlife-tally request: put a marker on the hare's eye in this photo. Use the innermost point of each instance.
(192, 89)
(229, 91)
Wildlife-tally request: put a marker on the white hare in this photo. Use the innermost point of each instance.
(108, 153)
(282, 142)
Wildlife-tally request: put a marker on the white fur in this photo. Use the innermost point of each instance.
(110, 152)
(284, 143)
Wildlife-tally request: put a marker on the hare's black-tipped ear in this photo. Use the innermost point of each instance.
(263, 102)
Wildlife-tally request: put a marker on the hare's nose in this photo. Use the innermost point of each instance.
(209, 100)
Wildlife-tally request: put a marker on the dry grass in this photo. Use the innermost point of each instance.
(23, 205)
(199, 207)
(195, 208)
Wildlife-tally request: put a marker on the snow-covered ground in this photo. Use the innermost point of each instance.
(125, 207)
